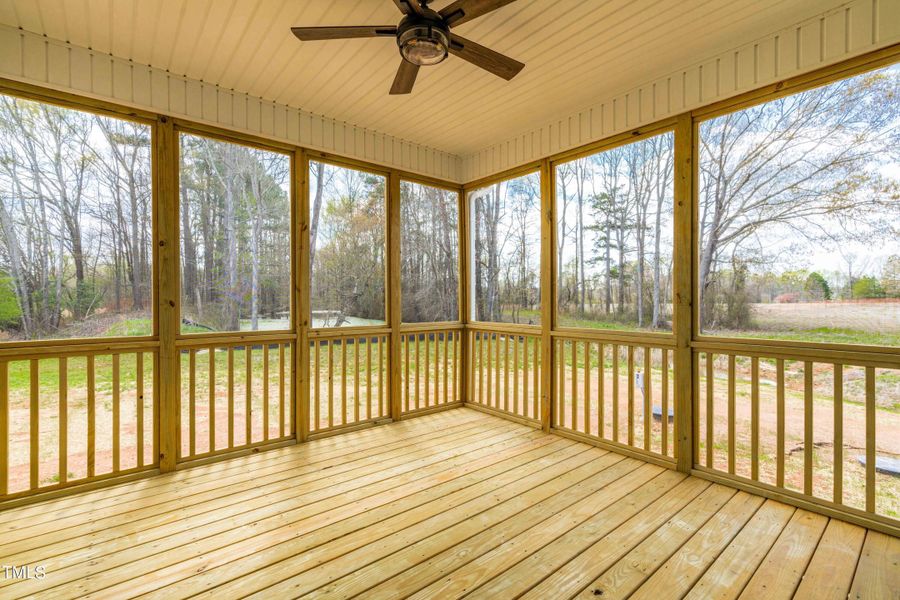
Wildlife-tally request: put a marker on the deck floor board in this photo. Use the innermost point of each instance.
(451, 504)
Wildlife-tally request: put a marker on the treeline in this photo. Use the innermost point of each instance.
(429, 253)
(614, 235)
(235, 219)
(812, 286)
(506, 230)
(75, 209)
(347, 245)
(811, 173)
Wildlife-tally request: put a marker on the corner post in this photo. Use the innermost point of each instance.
(167, 309)
(301, 371)
(683, 315)
(393, 292)
(548, 293)
(465, 359)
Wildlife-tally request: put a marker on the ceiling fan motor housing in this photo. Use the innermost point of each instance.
(423, 39)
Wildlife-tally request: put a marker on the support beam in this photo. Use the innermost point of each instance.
(394, 315)
(168, 374)
(683, 313)
(548, 292)
(300, 227)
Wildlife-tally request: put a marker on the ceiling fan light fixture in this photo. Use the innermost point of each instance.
(424, 45)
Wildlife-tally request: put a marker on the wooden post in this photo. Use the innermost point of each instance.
(394, 315)
(683, 317)
(300, 377)
(548, 293)
(168, 377)
(462, 350)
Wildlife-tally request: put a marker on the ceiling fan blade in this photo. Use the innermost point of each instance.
(408, 6)
(405, 79)
(487, 59)
(308, 34)
(461, 11)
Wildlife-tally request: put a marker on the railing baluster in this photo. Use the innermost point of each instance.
(4, 427)
(516, 374)
(870, 439)
(807, 427)
(648, 396)
(356, 380)
(446, 373)
(330, 346)
(248, 394)
(838, 433)
(497, 371)
(281, 391)
(116, 415)
(731, 415)
(754, 418)
(368, 377)
(427, 370)
(265, 393)
(587, 388)
(212, 398)
(63, 420)
(91, 416)
(779, 424)
(230, 396)
(317, 392)
(710, 410)
(561, 383)
(139, 394)
(506, 373)
(382, 380)
(343, 381)
(631, 395)
(664, 401)
(192, 400)
(34, 433)
(405, 341)
(574, 407)
(601, 400)
(418, 362)
(615, 393)
(457, 372)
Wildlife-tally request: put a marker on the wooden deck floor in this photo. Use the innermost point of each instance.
(446, 505)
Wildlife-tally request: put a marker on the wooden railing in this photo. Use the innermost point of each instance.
(802, 424)
(430, 364)
(615, 391)
(235, 395)
(348, 379)
(505, 371)
(74, 417)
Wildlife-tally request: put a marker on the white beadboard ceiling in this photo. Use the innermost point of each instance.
(576, 53)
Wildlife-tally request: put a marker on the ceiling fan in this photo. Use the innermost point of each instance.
(424, 38)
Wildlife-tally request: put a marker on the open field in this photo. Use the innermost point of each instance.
(872, 315)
